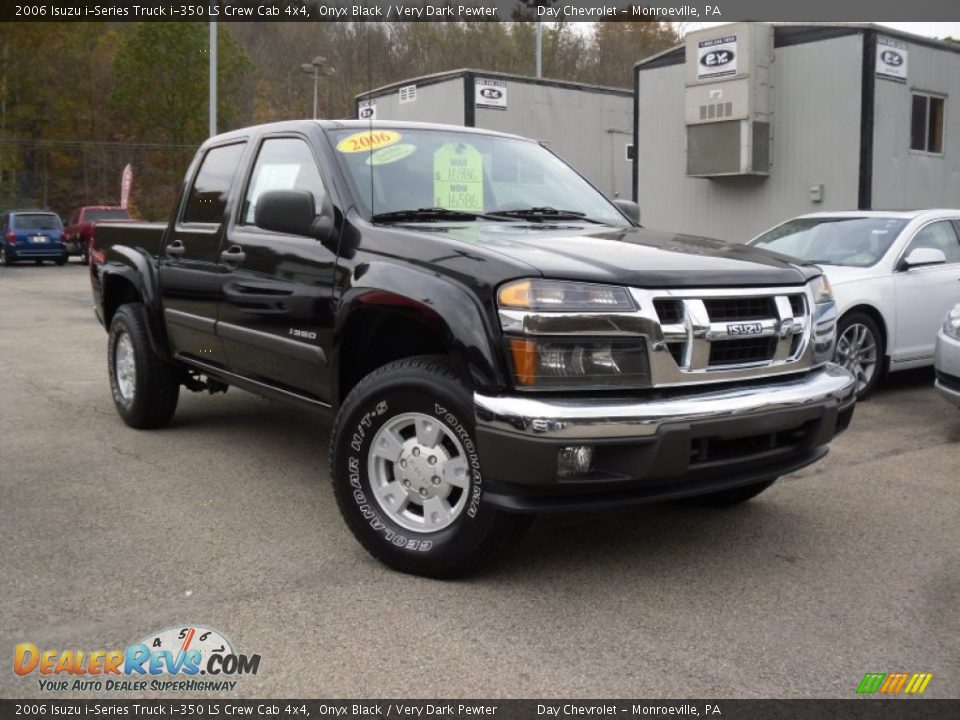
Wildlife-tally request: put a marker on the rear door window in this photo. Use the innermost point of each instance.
(207, 199)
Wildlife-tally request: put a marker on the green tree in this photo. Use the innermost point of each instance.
(619, 43)
(160, 95)
(161, 81)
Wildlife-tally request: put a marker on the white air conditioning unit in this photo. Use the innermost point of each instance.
(728, 106)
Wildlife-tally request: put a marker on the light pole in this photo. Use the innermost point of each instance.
(539, 49)
(317, 68)
(213, 78)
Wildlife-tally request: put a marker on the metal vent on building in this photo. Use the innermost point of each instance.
(408, 93)
(716, 111)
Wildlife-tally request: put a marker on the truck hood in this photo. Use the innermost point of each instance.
(626, 256)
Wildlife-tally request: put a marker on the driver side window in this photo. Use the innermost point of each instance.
(282, 164)
(939, 236)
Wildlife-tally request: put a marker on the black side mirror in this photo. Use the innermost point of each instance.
(629, 208)
(293, 212)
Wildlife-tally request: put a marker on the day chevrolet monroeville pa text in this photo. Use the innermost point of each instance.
(493, 337)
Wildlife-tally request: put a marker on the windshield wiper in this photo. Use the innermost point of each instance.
(818, 262)
(546, 213)
(428, 214)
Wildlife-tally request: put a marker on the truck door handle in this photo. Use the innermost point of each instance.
(176, 249)
(233, 255)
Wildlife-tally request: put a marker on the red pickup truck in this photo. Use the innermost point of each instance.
(78, 234)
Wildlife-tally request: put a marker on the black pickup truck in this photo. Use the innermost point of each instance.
(493, 336)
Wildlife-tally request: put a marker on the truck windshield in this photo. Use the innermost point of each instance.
(407, 175)
(37, 221)
(851, 241)
(108, 214)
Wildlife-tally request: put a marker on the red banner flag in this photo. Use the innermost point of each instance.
(125, 184)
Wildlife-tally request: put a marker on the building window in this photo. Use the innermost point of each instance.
(926, 123)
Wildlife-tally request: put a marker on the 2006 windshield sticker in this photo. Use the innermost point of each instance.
(368, 140)
(187, 658)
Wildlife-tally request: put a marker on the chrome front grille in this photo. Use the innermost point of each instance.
(740, 309)
(711, 331)
(702, 335)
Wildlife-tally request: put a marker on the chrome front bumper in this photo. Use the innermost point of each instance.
(608, 418)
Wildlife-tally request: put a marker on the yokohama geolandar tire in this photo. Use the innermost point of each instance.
(145, 389)
(406, 474)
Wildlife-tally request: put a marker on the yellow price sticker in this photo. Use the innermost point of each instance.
(368, 140)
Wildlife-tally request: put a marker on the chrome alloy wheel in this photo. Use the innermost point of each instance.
(857, 352)
(125, 366)
(419, 472)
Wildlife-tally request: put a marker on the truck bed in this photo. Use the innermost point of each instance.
(138, 235)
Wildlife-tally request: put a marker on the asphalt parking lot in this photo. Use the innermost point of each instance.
(227, 519)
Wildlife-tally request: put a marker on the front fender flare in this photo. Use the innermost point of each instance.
(470, 336)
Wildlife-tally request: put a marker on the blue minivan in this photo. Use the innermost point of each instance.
(32, 235)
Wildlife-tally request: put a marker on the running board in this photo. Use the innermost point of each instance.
(255, 386)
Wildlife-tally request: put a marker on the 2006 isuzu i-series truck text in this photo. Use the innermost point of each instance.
(492, 335)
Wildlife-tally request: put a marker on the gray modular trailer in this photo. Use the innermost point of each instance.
(748, 124)
(589, 126)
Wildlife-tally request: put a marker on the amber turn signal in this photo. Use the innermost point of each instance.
(515, 294)
(524, 354)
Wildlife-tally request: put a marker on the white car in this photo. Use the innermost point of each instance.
(894, 276)
(948, 357)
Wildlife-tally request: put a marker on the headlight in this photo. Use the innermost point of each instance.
(562, 295)
(824, 318)
(579, 363)
(951, 326)
(822, 292)
(573, 362)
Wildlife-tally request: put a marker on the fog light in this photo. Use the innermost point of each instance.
(574, 460)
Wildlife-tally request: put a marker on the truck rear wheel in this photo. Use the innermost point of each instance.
(145, 389)
(406, 474)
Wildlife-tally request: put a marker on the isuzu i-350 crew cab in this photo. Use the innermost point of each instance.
(492, 335)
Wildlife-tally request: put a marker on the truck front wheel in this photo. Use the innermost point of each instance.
(145, 389)
(407, 476)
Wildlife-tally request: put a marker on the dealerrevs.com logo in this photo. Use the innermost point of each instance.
(187, 658)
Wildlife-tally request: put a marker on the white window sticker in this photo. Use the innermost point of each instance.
(490, 94)
(891, 59)
(717, 57)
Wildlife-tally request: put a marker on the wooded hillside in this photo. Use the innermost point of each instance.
(78, 101)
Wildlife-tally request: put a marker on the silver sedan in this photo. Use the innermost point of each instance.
(947, 357)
